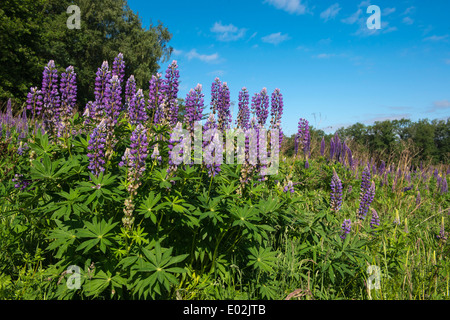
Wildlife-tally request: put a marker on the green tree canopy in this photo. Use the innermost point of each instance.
(34, 32)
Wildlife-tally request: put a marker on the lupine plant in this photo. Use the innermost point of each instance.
(111, 197)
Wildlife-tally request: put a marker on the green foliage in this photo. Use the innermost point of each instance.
(201, 237)
(37, 32)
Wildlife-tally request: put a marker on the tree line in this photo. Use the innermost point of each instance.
(424, 140)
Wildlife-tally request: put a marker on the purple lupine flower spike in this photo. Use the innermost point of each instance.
(365, 182)
(442, 234)
(50, 94)
(112, 99)
(346, 228)
(136, 108)
(243, 116)
(443, 185)
(194, 107)
(34, 101)
(289, 187)
(171, 92)
(68, 89)
(212, 165)
(96, 148)
(223, 108)
(366, 201)
(176, 137)
(155, 98)
(350, 157)
(260, 106)
(322, 147)
(102, 80)
(277, 112)
(375, 221)
(130, 89)
(336, 192)
(118, 68)
(138, 152)
(303, 137)
(215, 93)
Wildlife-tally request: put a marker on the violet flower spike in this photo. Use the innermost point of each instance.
(34, 101)
(336, 192)
(260, 106)
(223, 108)
(346, 228)
(118, 68)
(243, 117)
(68, 89)
(375, 221)
(156, 88)
(50, 93)
(322, 147)
(96, 149)
(366, 202)
(136, 108)
(303, 137)
(194, 107)
(365, 182)
(130, 89)
(171, 92)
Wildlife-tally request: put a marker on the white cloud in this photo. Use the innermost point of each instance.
(325, 42)
(177, 52)
(331, 12)
(409, 10)
(193, 54)
(447, 61)
(275, 38)
(252, 36)
(228, 32)
(217, 73)
(324, 55)
(291, 6)
(353, 18)
(439, 106)
(408, 20)
(388, 11)
(436, 38)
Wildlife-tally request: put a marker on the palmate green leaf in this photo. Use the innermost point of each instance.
(63, 237)
(270, 205)
(157, 270)
(176, 204)
(98, 232)
(100, 188)
(102, 281)
(149, 207)
(228, 189)
(262, 259)
(267, 291)
(210, 208)
(160, 176)
(41, 145)
(74, 203)
(245, 216)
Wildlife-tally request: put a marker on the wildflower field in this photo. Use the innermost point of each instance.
(97, 204)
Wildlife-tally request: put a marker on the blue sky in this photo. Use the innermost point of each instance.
(331, 69)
